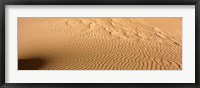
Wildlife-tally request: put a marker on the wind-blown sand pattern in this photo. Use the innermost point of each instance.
(99, 43)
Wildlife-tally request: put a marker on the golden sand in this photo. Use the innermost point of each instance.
(99, 43)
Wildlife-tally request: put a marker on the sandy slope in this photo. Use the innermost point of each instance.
(100, 43)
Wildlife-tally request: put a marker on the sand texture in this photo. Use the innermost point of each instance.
(99, 43)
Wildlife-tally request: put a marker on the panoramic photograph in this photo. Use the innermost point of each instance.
(99, 43)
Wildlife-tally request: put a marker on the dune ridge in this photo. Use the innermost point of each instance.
(102, 43)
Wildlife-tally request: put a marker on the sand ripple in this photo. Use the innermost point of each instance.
(101, 43)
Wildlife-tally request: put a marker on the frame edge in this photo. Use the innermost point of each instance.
(2, 44)
(197, 35)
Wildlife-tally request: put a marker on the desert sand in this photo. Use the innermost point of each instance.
(99, 43)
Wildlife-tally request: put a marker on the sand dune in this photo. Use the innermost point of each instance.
(100, 43)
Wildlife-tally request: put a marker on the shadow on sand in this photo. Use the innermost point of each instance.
(30, 64)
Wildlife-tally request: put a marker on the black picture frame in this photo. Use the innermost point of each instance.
(3, 3)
